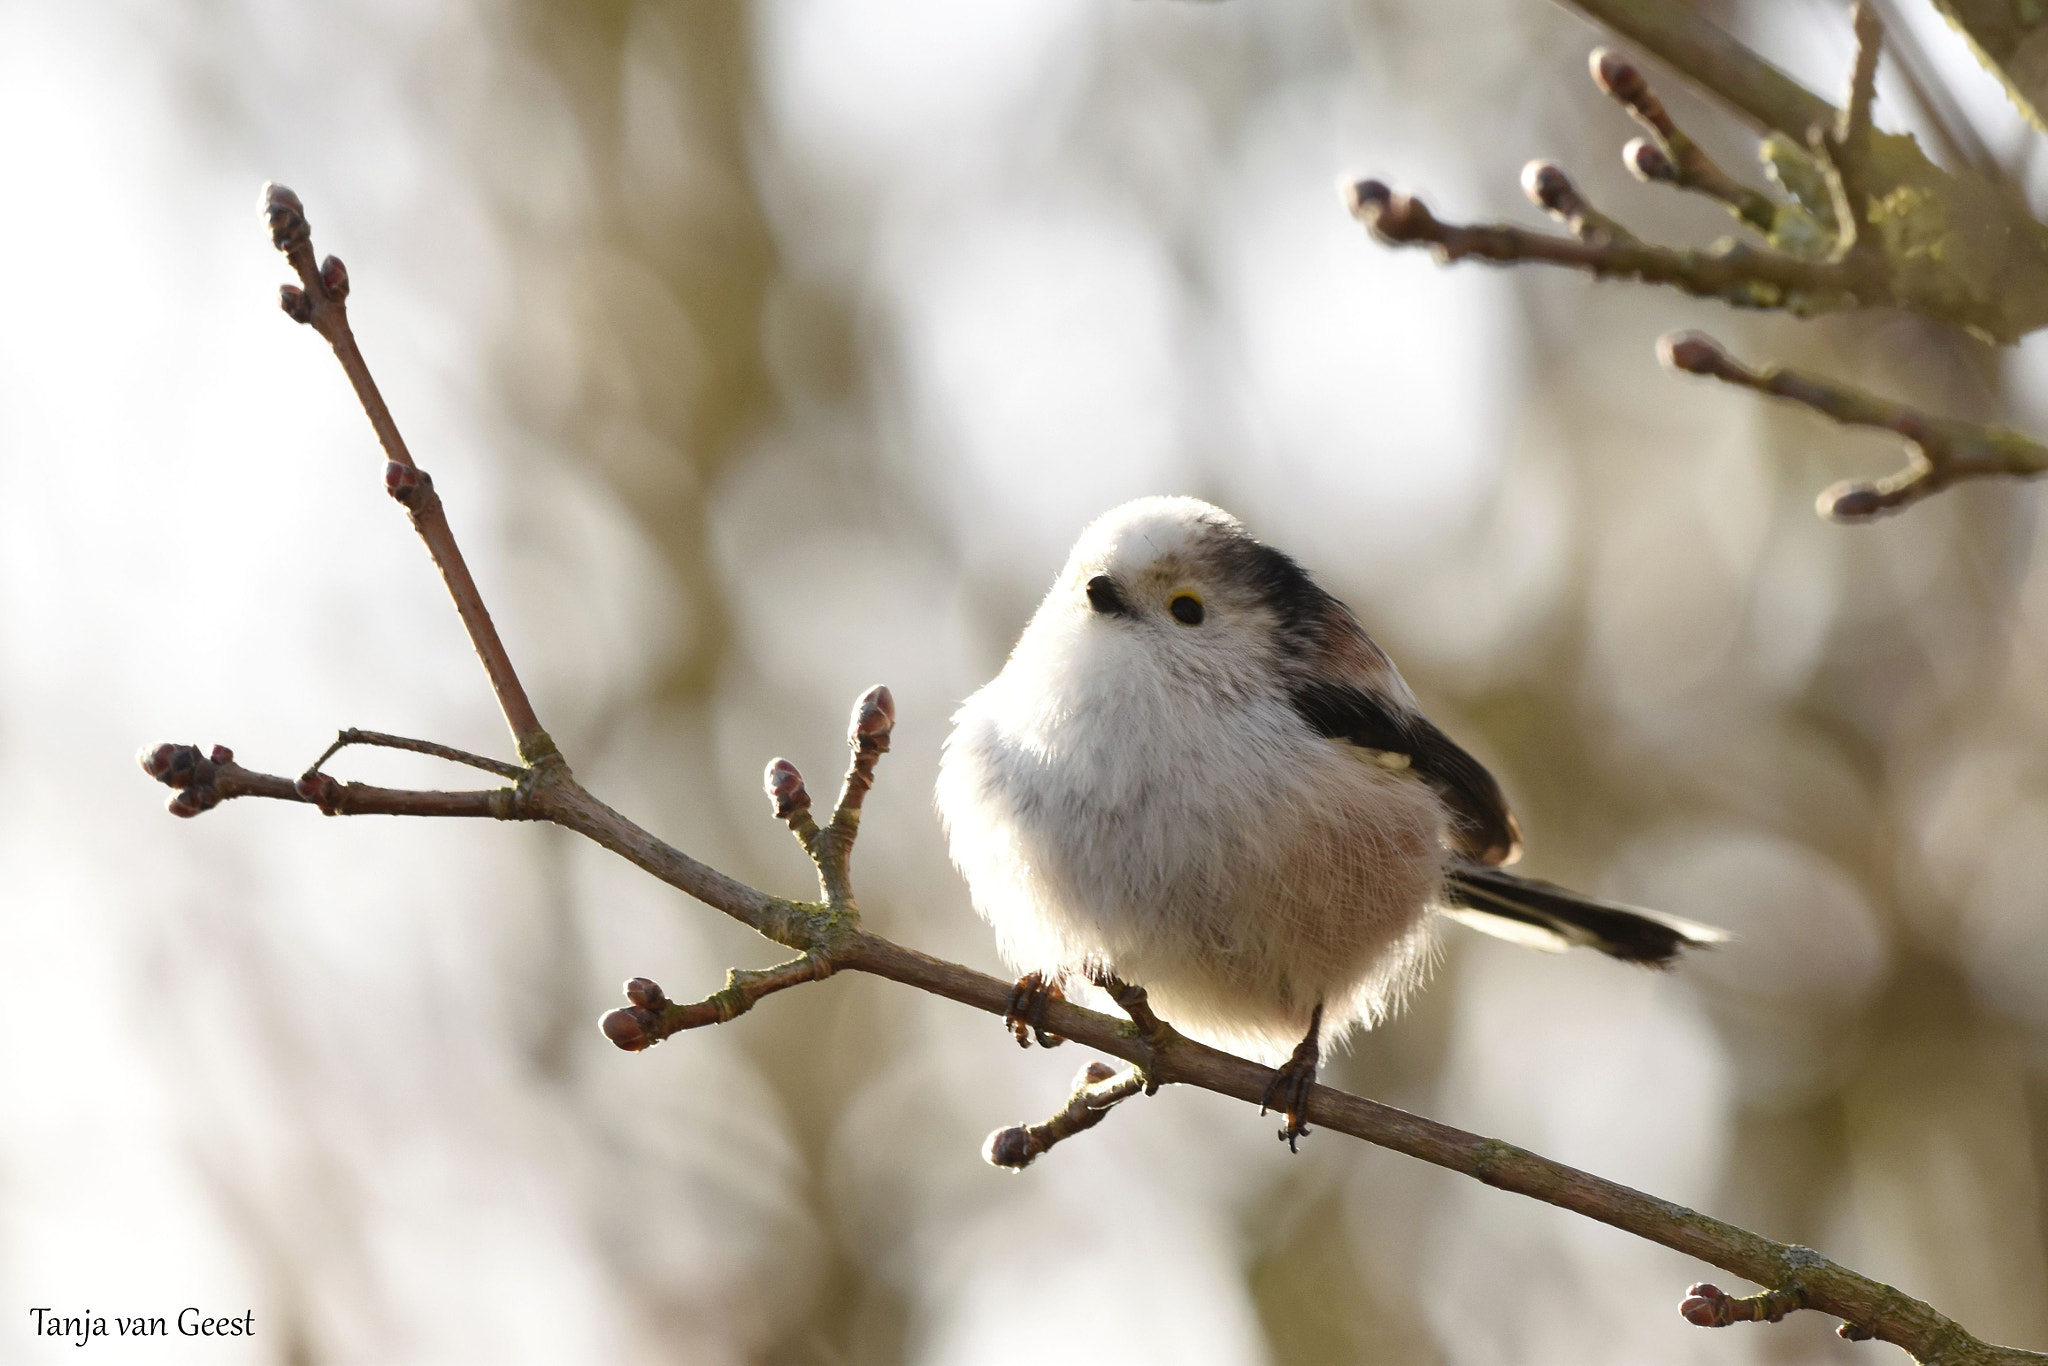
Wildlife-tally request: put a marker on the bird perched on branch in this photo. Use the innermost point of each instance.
(1198, 774)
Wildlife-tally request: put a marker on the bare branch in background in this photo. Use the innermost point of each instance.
(1865, 222)
(1945, 450)
(1670, 155)
(1815, 259)
(1962, 248)
(1735, 274)
(829, 937)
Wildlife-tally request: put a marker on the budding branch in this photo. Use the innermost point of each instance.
(1826, 247)
(828, 937)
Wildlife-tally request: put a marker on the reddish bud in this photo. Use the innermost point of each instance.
(1013, 1148)
(785, 787)
(1648, 162)
(1392, 217)
(1405, 219)
(645, 994)
(1093, 1074)
(190, 801)
(334, 278)
(1616, 75)
(222, 755)
(400, 479)
(629, 1028)
(1549, 187)
(286, 216)
(1852, 502)
(1366, 197)
(169, 763)
(320, 790)
(874, 716)
(296, 303)
(1693, 352)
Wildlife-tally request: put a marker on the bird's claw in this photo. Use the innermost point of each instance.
(1026, 1015)
(1288, 1091)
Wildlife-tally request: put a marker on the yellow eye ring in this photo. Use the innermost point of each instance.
(1186, 609)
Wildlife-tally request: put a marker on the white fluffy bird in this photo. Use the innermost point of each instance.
(1198, 774)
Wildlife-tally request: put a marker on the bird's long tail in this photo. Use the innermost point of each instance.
(1546, 916)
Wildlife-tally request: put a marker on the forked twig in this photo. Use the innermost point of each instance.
(1942, 450)
(320, 300)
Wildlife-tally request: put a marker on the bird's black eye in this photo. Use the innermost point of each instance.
(1104, 597)
(1186, 609)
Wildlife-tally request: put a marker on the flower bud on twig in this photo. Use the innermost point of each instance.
(334, 278)
(630, 1027)
(646, 994)
(287, 217)
(296, 303)
(1647, 162)
(786, 789)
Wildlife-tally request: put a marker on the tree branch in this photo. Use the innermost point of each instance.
(1671, 156)
(1944, 450)
(829, 937)
(320, 300)
(1868, 223)
(202, 781)
(1097, 1088)
(1676, 34)
(380, 740)
(1735, 273)
(1957, 247)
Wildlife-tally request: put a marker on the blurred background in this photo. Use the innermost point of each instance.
(766, 349)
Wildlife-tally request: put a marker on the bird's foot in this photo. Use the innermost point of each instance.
(1153, 1032)
(1026, 1015)
(1288, 1091)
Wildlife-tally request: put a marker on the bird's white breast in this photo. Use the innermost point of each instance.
(1189, 832)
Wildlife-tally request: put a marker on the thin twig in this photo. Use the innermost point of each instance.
(1673, 157)
(1943, 450)
(1706, 56)
(320, 301)
(203, 780)
(831, 845)
(1852, 128)
(1736, 273)
(1844, 150)
(649, 1016)
(352, 736)
(1097, 1089)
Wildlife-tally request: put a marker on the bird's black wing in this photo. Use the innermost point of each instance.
(1483, 827)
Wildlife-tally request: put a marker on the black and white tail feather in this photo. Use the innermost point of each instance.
(1543, 915)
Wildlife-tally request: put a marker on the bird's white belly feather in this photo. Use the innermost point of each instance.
(1221, 855)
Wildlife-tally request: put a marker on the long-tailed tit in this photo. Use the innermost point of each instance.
(1198, 774)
